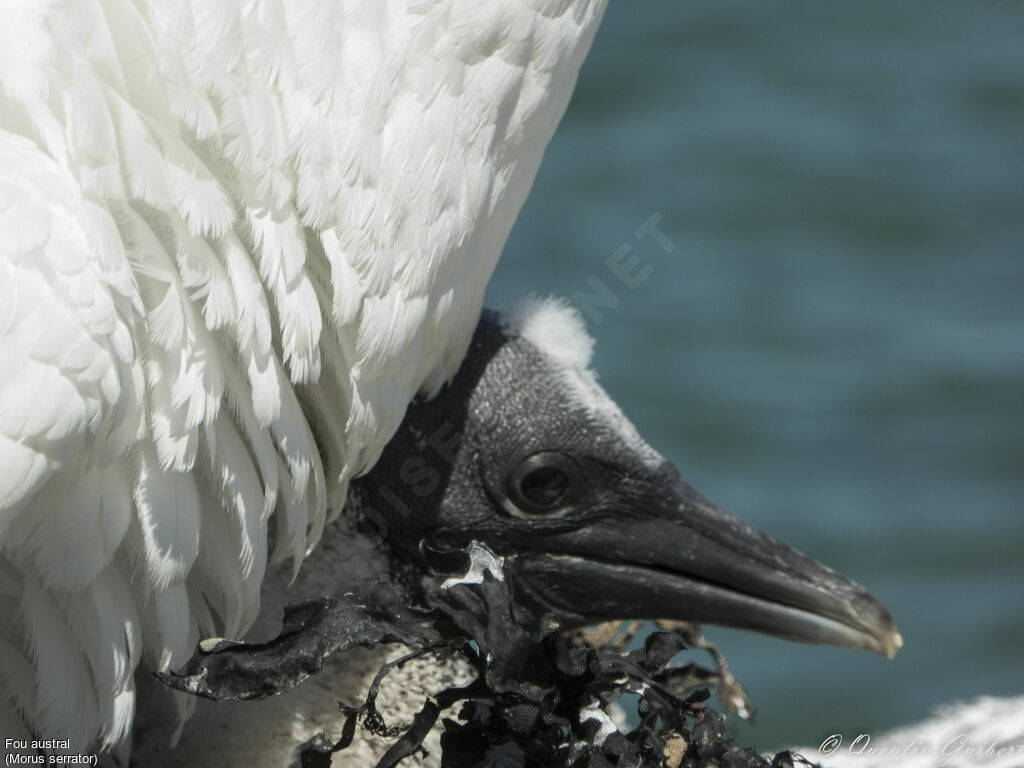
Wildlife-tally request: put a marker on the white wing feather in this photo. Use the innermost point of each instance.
(220, 222)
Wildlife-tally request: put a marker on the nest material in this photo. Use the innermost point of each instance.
(547, 698)
(553, 698)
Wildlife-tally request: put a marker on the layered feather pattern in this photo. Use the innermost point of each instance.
(236, 238)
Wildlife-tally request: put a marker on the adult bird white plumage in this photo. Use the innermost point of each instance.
(236, 238)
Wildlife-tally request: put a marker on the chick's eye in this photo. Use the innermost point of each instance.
(544, 487)
(542, 484)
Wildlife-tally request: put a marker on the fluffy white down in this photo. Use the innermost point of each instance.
(235, 239)
(558, 331)
(269, 733)
(554, 327)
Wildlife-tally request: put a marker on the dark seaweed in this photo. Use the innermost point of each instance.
(544, 698)
(540, 698)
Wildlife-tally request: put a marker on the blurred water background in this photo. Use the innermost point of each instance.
(834, 350)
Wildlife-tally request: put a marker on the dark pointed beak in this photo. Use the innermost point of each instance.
(681, 557)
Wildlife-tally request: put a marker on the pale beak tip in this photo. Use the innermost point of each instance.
(891, 643)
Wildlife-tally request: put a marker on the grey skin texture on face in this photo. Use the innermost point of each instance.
(522, 451)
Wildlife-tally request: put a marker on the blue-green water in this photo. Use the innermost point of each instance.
(834, 350)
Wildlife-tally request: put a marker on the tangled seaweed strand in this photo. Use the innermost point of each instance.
(541, 700)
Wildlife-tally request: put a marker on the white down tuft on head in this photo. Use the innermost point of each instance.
(557, 330)
(553, 326)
